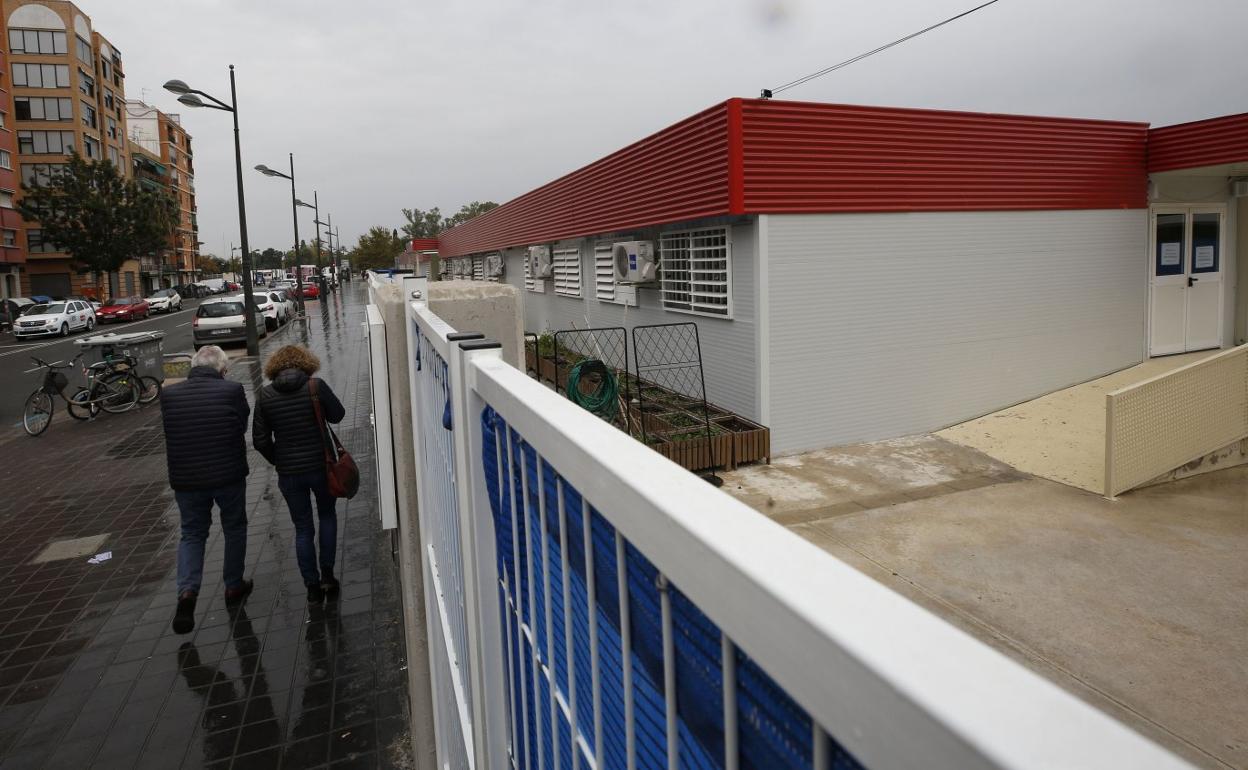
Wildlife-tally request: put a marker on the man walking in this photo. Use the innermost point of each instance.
(205, 421)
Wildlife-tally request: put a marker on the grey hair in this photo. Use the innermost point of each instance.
(211, 355)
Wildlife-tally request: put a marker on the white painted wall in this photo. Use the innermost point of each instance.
(882, 325)
(728, 346)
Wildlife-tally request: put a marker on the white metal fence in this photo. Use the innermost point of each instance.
(593, 605)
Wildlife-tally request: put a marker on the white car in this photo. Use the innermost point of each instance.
(165, 301)
(267, 308)
(223, 319)
(55, 318)
(285, 304)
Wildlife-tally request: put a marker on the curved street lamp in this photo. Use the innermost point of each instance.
(191, 98)
(294, 209)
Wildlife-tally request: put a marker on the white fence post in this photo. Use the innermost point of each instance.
(481, 589)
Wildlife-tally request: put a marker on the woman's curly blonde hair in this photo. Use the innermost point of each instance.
(291, 357)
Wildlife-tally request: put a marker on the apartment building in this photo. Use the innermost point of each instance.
(12, 249)
(160, 269)
(162, 138)
(68, 94)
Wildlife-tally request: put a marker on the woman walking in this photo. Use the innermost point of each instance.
(287, 432)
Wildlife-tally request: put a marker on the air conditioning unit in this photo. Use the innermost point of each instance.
(494, 266)
(635, 262)
(540, 267)
(1240, 188)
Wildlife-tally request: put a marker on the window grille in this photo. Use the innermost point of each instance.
(566, 271)
(478, 268)
(604, 272)
(529, 283)
(695, 272)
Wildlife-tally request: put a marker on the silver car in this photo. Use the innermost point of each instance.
(223, 319)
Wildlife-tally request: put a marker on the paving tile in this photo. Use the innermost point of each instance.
(91, 675)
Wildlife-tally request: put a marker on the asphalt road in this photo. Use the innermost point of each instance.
(19, 375)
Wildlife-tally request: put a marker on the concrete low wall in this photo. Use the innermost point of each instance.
(494, 309)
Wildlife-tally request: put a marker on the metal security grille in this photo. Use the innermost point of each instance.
(604, 273)
(566, 271)
(694, 267)
(528, 274)
(478, 268)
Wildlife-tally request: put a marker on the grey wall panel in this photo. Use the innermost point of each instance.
(729, 347)
(888, 324)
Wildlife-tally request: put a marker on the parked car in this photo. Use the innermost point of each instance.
(13, 307)
(165, 301)
(222, 319)
(56, 318)
(285, 302)
(267, 307)
(311, 291)
(213, 285)
(123, 309)
(94, 303)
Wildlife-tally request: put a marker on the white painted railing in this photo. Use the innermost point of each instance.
(591, 604)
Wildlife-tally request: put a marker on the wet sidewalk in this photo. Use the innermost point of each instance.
(91, 674)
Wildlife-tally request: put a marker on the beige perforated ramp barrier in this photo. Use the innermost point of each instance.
(1159, 424)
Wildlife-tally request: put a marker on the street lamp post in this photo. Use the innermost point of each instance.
(294, 211)
(316, 219)
(190, 97)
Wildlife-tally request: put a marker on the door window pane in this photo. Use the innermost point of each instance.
(1206, 237)
(1170, 237)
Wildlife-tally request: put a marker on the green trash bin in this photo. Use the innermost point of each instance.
(146, 348)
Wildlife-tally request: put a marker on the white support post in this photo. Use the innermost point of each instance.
(669, 674)
(516, 597)
(591, 604)
(548, 606)
(480, 565)
(535, 660)
(568, 646)
(819, 747)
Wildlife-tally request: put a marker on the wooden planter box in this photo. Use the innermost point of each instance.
(751, 442)
(696, 454)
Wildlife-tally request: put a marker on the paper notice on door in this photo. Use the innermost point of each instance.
(1171, 253)
(1204, 257)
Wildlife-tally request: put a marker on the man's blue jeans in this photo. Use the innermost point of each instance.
(299, 489)
(196, 510)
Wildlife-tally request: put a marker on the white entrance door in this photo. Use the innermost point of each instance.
(1185, 293)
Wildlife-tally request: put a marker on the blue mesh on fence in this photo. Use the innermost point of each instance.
(773, 731)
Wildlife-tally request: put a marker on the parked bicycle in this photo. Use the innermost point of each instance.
(114, 391)
(113, 367)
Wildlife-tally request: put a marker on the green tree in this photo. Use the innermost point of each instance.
(376, 248)
(469, 211)
(207, 263)
(427, 224)
(99, 218)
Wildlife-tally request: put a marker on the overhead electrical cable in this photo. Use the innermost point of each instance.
(768, 92)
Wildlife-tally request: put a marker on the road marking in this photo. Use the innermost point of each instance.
(179, 326)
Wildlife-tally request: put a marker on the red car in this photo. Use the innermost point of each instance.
(123, 309)
(311, 291)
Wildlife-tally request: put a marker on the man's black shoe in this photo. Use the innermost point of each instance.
(184, 615)
(329, 584)
(315, 594)
(238, 593)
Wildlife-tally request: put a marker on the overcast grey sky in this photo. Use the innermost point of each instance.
(411, 103)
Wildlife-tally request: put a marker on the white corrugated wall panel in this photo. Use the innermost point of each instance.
(888, 324)
(729, 352)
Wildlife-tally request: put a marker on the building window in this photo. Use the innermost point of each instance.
(695, 272)
(91, 147)
(566, 271)
(114, 156)
(108, 99)
(111, 128)
(43, 108)
(6, 159)
(41, 75)
(36, 41)
(6, 199)
(35, 244)
(88, 115)
(105, 69)
(86, 84)
(9, 237)
(45, 142)
(39, 174)
(84, 52)
(129, 283)
(529, 283)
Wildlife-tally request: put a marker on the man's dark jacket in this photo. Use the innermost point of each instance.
(285, 429)
(205, 421)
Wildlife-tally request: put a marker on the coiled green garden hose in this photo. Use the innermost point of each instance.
(602, 400)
